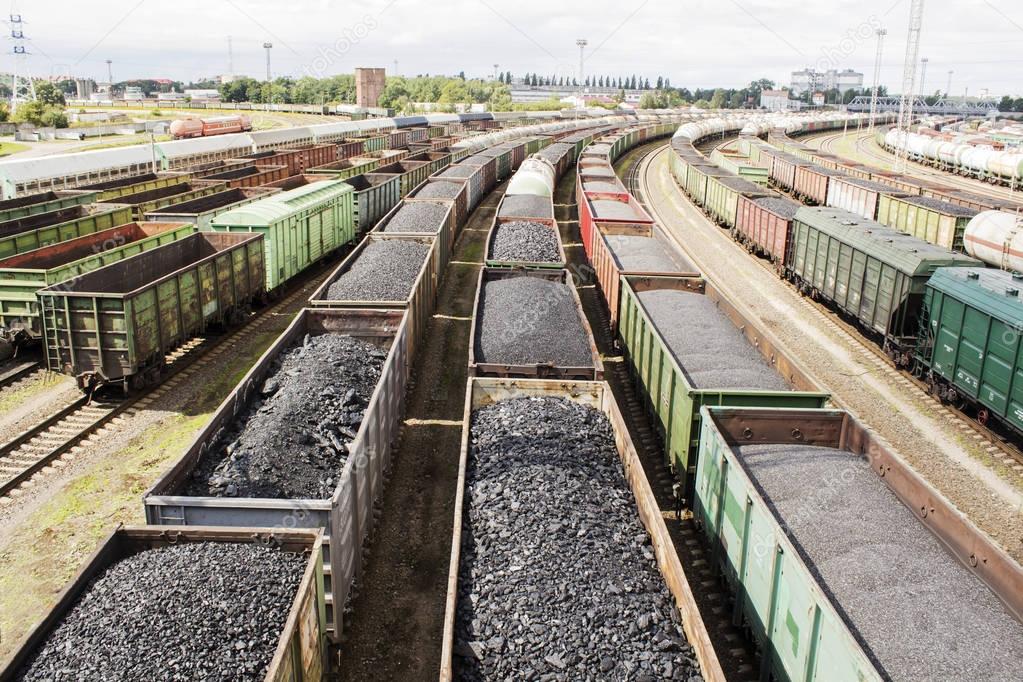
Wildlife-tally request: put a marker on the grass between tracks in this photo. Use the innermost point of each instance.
(45, 551)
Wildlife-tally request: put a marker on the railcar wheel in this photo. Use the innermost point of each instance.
(983, 416)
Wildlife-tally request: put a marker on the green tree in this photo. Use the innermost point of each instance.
(717, 101)
(48, 93)
(660, 83)
(702, 104)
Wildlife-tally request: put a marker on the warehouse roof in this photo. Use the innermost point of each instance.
(278, 207)
(986, 289)
(903, 252)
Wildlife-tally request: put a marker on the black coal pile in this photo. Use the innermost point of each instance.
(526, 206)
(525, 240)
(293, 441)
(557, 579)
(386, 270)
(192, 611)
(531, 321)
(417, 216)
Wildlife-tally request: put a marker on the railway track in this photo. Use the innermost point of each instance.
(52, 442)
(14, 371)
(988, 439)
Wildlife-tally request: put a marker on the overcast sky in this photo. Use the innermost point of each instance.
(696, 43)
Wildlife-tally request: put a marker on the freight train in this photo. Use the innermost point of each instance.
(319, 211)
(751, 457)
(976, 160)
(184, 128)
(922, 303)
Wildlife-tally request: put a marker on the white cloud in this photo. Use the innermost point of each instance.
(695, 42)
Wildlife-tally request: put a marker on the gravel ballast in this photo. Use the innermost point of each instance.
(646, 254)
(526, 206)
(192, 611)
(418, 216)
(708, 347)
(557, 578)
(293, 441)
(921, 613)
(531, 321)
(523, 240)
(386, 270)
(588, 172)
(439, 190)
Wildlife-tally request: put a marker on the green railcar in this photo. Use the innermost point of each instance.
(133, 184)
(802, 634)
(669, 394)
(971, 341)
(870, 272)
(721, 199)
(32, 232)
(142, 203)
(300, 226)
(44, 202)
(118, 323)
(935, 221)
(21, 276)
(374, 197)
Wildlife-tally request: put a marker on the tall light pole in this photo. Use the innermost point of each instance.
(395, 67)
(916, 15)
(581, 43)
(269, 86)
(923, 76)
(110, 76)
(881, 33)
(948, 87)
(495, 71)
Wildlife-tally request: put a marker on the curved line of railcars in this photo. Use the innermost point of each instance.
(730, 505)
(929, 308)
(671, 397)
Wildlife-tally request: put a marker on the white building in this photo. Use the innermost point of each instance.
(832, 79)
(778, 100)
(133, 92)
(202, 94)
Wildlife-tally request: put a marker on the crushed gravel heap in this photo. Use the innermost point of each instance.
(946, 207)
(191, 611)
(439, 190)
(418, 216)
(526, 206)
(888, 572)
(596, 172)
(386, 270)
(599, 186)
(293, 440)
(786, 208)
(557, 579)
(646, 254)
(460, 171)
(708, 347)
(531, 321)
(608, 209)
(521, 240)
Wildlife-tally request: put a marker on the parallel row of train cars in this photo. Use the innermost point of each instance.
(381, 301)
(997, 166)
(823, 599)
(64, 171)
(936, 311)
